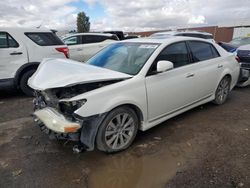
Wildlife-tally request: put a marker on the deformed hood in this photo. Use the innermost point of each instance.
(54, 73)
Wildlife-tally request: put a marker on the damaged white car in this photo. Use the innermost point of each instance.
(129, 86)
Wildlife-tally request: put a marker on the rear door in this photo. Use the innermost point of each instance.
(13, 55)
(209, 67)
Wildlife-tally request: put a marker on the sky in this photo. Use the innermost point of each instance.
(129, 15)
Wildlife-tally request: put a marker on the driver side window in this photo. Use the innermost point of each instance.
(177, 53)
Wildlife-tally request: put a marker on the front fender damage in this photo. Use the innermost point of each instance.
(85, 136)
(89, 130)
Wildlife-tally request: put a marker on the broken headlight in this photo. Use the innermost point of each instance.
(68, 107)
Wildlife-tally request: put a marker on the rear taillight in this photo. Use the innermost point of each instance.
(237, 58)
(64, 50)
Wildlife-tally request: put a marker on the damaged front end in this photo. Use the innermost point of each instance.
(56, 82)
(56, 116)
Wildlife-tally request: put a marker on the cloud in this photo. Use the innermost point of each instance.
(130, 15)
(31, 13)
(143, 15)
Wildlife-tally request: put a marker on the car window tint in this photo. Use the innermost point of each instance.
(12, 42)
(71, 40)
(3, 40)
(201, 51)
(176, 53)
(93, 39)
(44, 38)
(6, 41)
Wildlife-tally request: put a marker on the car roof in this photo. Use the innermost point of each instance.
(164, 40)
(181, 32)
(89, 33)
(23, 30)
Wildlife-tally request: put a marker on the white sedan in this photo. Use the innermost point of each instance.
(129, 86)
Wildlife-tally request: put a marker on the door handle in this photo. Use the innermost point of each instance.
(190, 75)
(220, 66)
(79, 49)
(16, 53)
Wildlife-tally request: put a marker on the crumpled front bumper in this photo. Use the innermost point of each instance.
(57, 126)
(55, 121)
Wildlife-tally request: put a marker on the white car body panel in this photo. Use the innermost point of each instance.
(31, 52)
(46, 77)
(161, 96)
(83, 52)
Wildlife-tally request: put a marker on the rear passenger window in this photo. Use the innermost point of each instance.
(72, 40)
(44, 38)
(176, 53)
(93, 39)
(6, 41)
(202, 51)
(3, 40)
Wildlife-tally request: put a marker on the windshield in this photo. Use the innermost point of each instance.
(127, 57)
(240, 41)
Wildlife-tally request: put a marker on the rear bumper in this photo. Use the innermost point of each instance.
(55, 121)
(244, 72)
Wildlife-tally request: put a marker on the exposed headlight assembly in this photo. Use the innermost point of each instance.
(68, 107)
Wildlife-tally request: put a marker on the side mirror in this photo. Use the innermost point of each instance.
(163, 66)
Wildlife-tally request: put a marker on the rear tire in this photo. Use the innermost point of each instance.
(24, 83)
(222, 91)
(118, 130)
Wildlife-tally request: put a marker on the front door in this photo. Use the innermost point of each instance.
(170, 91)
(12, 54)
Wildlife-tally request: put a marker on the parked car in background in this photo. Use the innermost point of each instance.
(241, 48)
(131, 37)
(240, 41)
(235, 43)
(243, 54)
(119, 34)
(83, 46)
(228, 47)
(129, 86)
(21, 51)
(197, 34)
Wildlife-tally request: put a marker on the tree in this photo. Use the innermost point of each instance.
(83, 24)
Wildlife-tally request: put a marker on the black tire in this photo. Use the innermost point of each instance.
(222, 91)
(24, 83)
(120, 129)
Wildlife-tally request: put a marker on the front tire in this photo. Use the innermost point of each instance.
(24, 83)
(222, 91)
(118, 130)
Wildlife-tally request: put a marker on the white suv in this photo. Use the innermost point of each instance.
(83, 46)
(21, 51)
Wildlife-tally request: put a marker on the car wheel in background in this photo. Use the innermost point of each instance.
(117, 130)
(24, 83)
(222, 91)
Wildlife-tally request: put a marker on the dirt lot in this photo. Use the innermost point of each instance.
(208, 146)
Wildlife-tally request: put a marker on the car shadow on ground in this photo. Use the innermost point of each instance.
(11, 93)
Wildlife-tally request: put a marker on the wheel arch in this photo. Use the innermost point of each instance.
(24, 68)
(134, 107)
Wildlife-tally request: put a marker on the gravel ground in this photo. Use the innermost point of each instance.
(208, 146)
